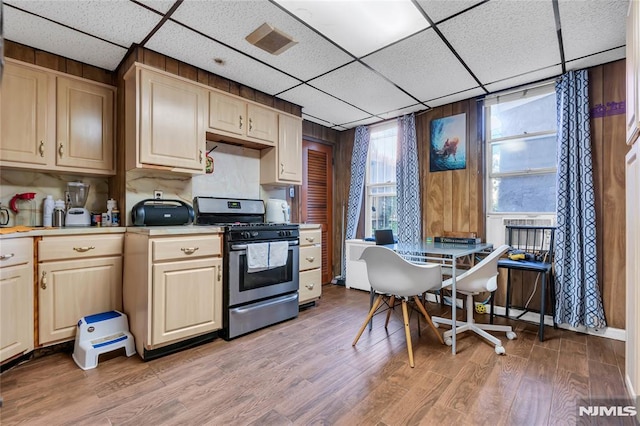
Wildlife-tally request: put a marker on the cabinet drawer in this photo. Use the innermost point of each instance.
(186, 247)
(16, 251)
(310, 257)
(56, 248)
(310, 285)
(310, 237)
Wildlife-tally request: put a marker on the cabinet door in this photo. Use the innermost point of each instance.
(227, 113)
(310, 285)
(25, 133)
(171, 117)
(84, 126)
(16, 310)
(186, 299)
(633, 69)
(68, 291)
(263, 123)
(632, 356)
(290, 149)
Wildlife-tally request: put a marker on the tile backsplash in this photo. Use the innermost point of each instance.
(14, 182)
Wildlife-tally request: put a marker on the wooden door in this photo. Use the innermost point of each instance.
(16, 310)
(26, 130)
(70, 290)
(227, 113)
(263, 123)
(187, 299)
(85, 126)
(172, 131)
(317, 197)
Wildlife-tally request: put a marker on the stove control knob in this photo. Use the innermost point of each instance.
(246, 235)
(255, 233)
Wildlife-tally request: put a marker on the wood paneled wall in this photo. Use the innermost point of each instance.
(454, 200)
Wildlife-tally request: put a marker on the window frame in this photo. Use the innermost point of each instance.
(368, 187)
(503, 97)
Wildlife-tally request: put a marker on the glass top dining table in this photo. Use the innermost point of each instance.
(443, 253)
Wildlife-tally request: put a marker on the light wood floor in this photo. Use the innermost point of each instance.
(305, 371)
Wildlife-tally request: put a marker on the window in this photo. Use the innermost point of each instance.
(521, 152)
(381, 201)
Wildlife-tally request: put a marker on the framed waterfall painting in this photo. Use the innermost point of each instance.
(448, 147)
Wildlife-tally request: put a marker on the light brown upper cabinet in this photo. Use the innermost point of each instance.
(55, 122)
(282, 165)
(164, 121)
(236, 120)
(633, 72)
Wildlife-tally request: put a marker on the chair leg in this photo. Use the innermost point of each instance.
(371, 312)
(428, 318)
(508, 291)
(552, 290)
(407, 332)
(542, 306)
(493, 294)
(392, 302)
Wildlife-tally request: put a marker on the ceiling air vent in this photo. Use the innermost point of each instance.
(270, 39)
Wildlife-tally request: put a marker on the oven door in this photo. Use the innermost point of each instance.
(245, 287)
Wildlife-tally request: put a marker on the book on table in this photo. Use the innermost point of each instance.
(457, 240)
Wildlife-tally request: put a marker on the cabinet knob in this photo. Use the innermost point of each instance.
(83, 249)
(200, 156)
(219, 273)
(240, 117)
(250, 124)
(43, 281)
(61, 149)
(310, 258)
(310, 239)
(310, 286)
(189, 250)
(281, 168)
(41, 149)
(7, 256)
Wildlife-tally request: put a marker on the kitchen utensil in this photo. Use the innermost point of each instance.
(4, 216)
(77, 215)
(277, 211)
(24, 206)
(210, 165)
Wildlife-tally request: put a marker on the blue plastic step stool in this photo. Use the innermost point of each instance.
(101, 333)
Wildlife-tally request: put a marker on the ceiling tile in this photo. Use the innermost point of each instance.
(360, 26)
(119, 21)
(606, 27)
(403, 111)
(423, 66)
(468, 94)
(597, 59)
(439, 10)
(230, 22)
(162, 6)
(363, 88)
(509, 83)
(20, 27)
(321, 105)
(180, 43)
(501, 39)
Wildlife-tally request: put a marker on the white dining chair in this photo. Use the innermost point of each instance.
(396, 278)
(480, 278)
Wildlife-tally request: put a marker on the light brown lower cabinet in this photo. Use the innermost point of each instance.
(16, 297)
(172, 288)
(310, 265)
(77, 276)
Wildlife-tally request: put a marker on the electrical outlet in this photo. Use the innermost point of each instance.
(157, 195)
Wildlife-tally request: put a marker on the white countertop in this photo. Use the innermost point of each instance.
(175, 230)
(80, 230)
(308, 225)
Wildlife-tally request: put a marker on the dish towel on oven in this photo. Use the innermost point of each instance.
(257, 257)
(278, 254)
(262, 256)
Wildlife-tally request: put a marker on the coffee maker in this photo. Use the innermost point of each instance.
(77, 215)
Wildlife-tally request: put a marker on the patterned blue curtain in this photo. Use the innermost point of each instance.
(358, 171)
(578, 300)
(408, 182)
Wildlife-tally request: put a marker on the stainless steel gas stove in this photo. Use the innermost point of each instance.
(253, 297)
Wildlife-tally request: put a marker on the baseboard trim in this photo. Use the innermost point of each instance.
(534, 317)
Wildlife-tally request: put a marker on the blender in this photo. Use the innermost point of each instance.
(77, 215)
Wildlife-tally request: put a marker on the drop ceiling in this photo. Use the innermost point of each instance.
(343, 71)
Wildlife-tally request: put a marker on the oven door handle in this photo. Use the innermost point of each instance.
(236, 247)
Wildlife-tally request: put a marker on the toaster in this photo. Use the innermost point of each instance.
(152, 212)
